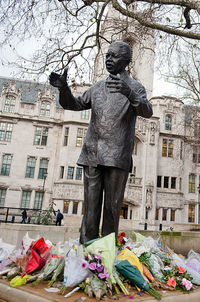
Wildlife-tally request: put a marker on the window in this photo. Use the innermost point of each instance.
(191, 212)
(146, 213)
(157, 214)
(196, 154)
(6, 164)
(38, 200)
(30, 168)
(85, 114)
(79, 172)
(192, 183)
(173, 183)
(62, 169)
(2, 197)
(70, 173)
(159, 181)
(26, 197)
(75, 207)
(167, 148)
(66, 206)
(172, 216)
(6, 132)
(41, 134)
(81, 133)
(66, 136)
(197, 130)
(168, 122)
(131, 214)
(45, 109)
(164, 215)
(166, 182)
(9, 105)
(43, 168)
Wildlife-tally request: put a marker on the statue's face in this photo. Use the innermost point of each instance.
(116, 59)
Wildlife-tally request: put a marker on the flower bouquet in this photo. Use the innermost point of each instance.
(98, 283)
(133, 274)
(178, 278)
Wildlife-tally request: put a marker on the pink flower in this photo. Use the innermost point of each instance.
(92, 266)
(171, 282)
(181, 270)
(188, 285)
(84, 265)
(104, 275)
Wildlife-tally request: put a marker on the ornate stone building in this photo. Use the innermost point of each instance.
(40, 143)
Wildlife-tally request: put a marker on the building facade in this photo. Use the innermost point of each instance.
(40, 144)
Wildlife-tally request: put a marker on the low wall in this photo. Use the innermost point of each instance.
(180, 242)
(13, 233)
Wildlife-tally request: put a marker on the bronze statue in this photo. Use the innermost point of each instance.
(106, 155)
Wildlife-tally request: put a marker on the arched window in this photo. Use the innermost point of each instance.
(168, 122)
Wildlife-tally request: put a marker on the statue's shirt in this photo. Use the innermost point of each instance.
(110, 136)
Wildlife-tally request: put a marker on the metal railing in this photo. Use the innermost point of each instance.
(14, 215)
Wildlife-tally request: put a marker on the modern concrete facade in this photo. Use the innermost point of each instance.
(40, 144)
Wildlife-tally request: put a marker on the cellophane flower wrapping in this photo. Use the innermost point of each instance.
(75, 272)
(104, 247)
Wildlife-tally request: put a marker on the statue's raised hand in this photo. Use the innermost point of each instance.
(57, 80)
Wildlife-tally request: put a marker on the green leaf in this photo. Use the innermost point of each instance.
(168, 19)
(181, 20)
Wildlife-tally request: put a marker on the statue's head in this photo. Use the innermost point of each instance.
(118, 57)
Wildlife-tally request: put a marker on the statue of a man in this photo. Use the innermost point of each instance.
(106, 154)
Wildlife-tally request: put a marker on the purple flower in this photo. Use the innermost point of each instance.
(131, 297)
(104, 275)
(92, 266)
(99, 268)
(97, 257)
(123, 295)
(140, 293)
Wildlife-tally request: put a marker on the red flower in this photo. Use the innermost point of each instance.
(128, 247)
(181, 270)
(171, 282)
(123, 234)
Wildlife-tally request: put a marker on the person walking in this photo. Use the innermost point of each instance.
(59, 218)
(24, 216)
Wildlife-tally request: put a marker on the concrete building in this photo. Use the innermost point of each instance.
(40, 144)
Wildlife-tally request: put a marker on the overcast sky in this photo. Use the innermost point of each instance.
(160, 86)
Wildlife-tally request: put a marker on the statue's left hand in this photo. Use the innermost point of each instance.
(115, 84)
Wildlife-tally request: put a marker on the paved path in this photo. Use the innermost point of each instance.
(29, 294)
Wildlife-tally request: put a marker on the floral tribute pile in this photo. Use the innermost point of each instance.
(103, 267)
